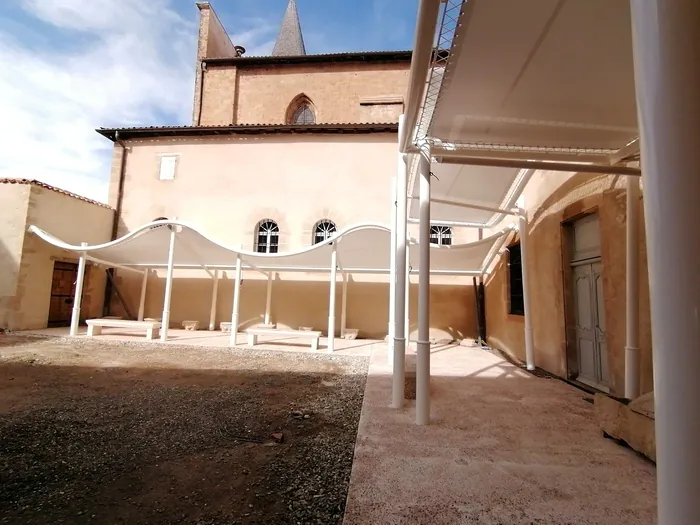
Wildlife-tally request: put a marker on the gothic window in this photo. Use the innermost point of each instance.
(441, 235)
(304, 115)
(301, 112)
(323, 231)
(267, 237)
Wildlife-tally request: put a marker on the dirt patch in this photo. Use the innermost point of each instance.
(97, 432)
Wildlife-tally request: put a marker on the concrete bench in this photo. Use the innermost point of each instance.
(253, 334)
(95, 326)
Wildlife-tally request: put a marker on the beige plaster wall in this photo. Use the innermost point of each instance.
(14, 199)
(552, 199)
(300, 300)
(262, 95)
(73, 221)
(225, 186)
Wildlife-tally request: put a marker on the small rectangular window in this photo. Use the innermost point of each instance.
(168, 163)
(516, 303)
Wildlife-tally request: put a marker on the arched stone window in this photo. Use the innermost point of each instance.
(301, 112)
(267, 237)
(441, 235)
(324, 230)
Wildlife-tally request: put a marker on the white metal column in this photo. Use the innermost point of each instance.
(524, 265)
(331, 300)
(666, 44)
(78, 298)
(423, 344)
(268, 300)
(392, 267)
(407, 302)
(399, 358)
(214, 296)
(632, 343)
(142, 298)
(165, 322)
(344, 306)
(236, 300)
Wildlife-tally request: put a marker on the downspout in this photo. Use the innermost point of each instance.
(115, 222)
(201, 92)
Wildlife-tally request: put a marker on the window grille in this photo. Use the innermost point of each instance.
(323, 231)
(303, 115)
(441, 235)
(267, 237)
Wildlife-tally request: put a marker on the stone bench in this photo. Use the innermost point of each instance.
(253, 334)
(95, 326)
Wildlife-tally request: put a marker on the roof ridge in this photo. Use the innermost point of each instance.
(35, 182)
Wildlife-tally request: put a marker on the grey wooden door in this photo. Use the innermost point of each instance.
(589, 304)
(590, 325)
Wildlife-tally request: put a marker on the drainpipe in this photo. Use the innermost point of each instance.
(115, 221)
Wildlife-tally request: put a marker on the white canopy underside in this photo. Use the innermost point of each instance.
(545, 73)
(360, 249)
(544, 77)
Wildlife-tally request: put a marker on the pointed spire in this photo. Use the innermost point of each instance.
(290, 41)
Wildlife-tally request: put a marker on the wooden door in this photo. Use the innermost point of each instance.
(589, 304)
(62, 293)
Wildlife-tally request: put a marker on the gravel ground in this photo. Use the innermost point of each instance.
(98, 432)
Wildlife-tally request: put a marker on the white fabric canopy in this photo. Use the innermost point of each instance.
(360, 249)
(541, 73)
(489, 187)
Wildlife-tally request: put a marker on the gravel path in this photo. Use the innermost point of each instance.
(97, 432)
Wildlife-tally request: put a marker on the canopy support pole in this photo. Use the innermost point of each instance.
(268, 300)
(331, 300)
(165, 323)
(423, 345)
(236, 300)
(214, 296)
(344, 306)
(667, 80)
(142, 297)
(399, 357)
(75, 315)
(392, 269)
(407, 303)
(525, 263)
(632, 343)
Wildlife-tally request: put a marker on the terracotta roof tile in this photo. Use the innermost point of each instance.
(34, 182)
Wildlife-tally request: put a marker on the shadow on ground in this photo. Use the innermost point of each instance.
(124, 444)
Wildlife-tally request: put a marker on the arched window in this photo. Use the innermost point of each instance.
(267, 237)
(441, 235)
(324, 230)
(301, 112)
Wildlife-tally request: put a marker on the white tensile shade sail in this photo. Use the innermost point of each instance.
(541, 73)
(491, 187)
(361, 249)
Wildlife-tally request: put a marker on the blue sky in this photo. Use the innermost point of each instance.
(70, 66)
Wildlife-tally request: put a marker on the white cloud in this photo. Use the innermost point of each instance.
(127, 63)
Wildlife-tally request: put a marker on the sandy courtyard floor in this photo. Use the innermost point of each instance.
(104, 432)
(504, 447)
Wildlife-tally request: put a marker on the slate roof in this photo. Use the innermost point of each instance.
(290, 41)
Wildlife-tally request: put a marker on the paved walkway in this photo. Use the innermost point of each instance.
(504, 447)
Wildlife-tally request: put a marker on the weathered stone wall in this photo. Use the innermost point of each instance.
(72, 220)
(551, 200)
